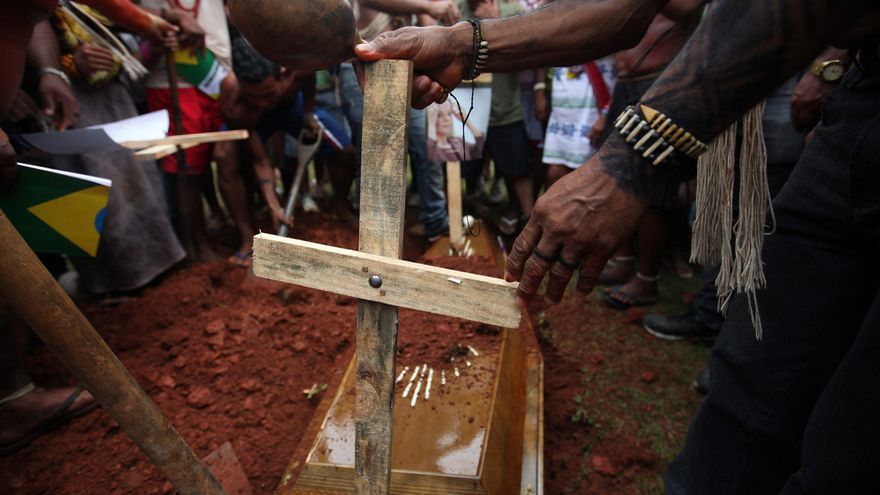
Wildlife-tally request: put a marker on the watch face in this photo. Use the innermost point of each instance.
(832, 72)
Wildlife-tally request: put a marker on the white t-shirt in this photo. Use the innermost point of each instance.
(212, 19)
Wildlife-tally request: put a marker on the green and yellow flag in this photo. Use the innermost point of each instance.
(56, 211)
(201, 69)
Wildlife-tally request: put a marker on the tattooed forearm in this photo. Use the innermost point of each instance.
(629, 170)
(567, 32)
(740, 53)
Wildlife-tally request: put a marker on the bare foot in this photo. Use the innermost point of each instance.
(39, 411)
(242, 257)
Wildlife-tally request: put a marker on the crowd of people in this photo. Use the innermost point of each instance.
(544, 124)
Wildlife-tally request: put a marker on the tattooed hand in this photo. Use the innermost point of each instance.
(579, 222)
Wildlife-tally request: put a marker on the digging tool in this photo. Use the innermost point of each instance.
(304, 154)
(183, 206)
(38, 298)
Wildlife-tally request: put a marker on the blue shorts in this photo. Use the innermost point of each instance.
(287, 117)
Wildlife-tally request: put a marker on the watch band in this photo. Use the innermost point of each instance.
(818, 69)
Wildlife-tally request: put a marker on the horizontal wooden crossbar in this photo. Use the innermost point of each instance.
(184, 139)
(404, 283)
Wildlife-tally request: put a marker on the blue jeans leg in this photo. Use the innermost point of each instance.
(428, 176)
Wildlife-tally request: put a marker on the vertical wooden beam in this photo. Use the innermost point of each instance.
(42, 303)
(383, 189)
(453, 203)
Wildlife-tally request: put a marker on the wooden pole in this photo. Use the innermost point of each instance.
(383, 189)
(36, 296)
(184, 222)
(453, 203)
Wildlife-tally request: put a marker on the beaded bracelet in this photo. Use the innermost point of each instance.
(481, 51)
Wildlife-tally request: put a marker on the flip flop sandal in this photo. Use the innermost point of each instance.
(507, 226)
(613, 295)
(61, 416)
(606, 278)
(241, 259)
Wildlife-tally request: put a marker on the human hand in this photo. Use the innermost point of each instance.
(22, 106)
(576, 224)
(189, 34)
(441, 56)
(8, 163)
(542, 106)
(486, 9)
(311, 125)
(443, 11)
(598, 129)
(58, 101)
(159, 28)
(279, 219)
(807, 100)
(90, 58)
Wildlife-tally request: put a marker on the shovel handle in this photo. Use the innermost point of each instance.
(35, 295)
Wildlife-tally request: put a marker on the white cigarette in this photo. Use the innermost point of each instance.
(468, 363)
(428, 385)
(402, 374)
(414, 374)
(406, 390)
(456, 371)
(415, 396)
(442, 377)
(424, 370)
(474, 351)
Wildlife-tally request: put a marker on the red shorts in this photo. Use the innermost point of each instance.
(200, 113)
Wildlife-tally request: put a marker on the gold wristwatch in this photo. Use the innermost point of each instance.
(830, 71)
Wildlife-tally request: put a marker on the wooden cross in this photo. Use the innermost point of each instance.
(377, 277)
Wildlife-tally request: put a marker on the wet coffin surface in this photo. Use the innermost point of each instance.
(444, 434)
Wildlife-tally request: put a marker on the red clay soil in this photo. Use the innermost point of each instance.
(226, 357)
(617, 401)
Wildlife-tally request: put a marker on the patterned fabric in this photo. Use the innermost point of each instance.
(573, 114)
(71, 34)
(530, 5)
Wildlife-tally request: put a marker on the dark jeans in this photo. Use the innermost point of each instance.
(797, 411)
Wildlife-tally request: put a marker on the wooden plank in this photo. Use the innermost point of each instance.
(503, 452)
(383, 189)
(453, 203)
(191, 139)
(404, 283)
(35, 296)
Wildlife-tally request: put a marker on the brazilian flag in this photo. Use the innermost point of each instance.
(56, 211)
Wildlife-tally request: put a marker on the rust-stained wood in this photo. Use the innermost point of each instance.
(410, 475)
(453, 203)
(35, 295)
(383, 190)
(404, 283)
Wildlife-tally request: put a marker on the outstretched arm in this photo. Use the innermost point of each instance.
(739, 54)
(565, 32)
(443, 11)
